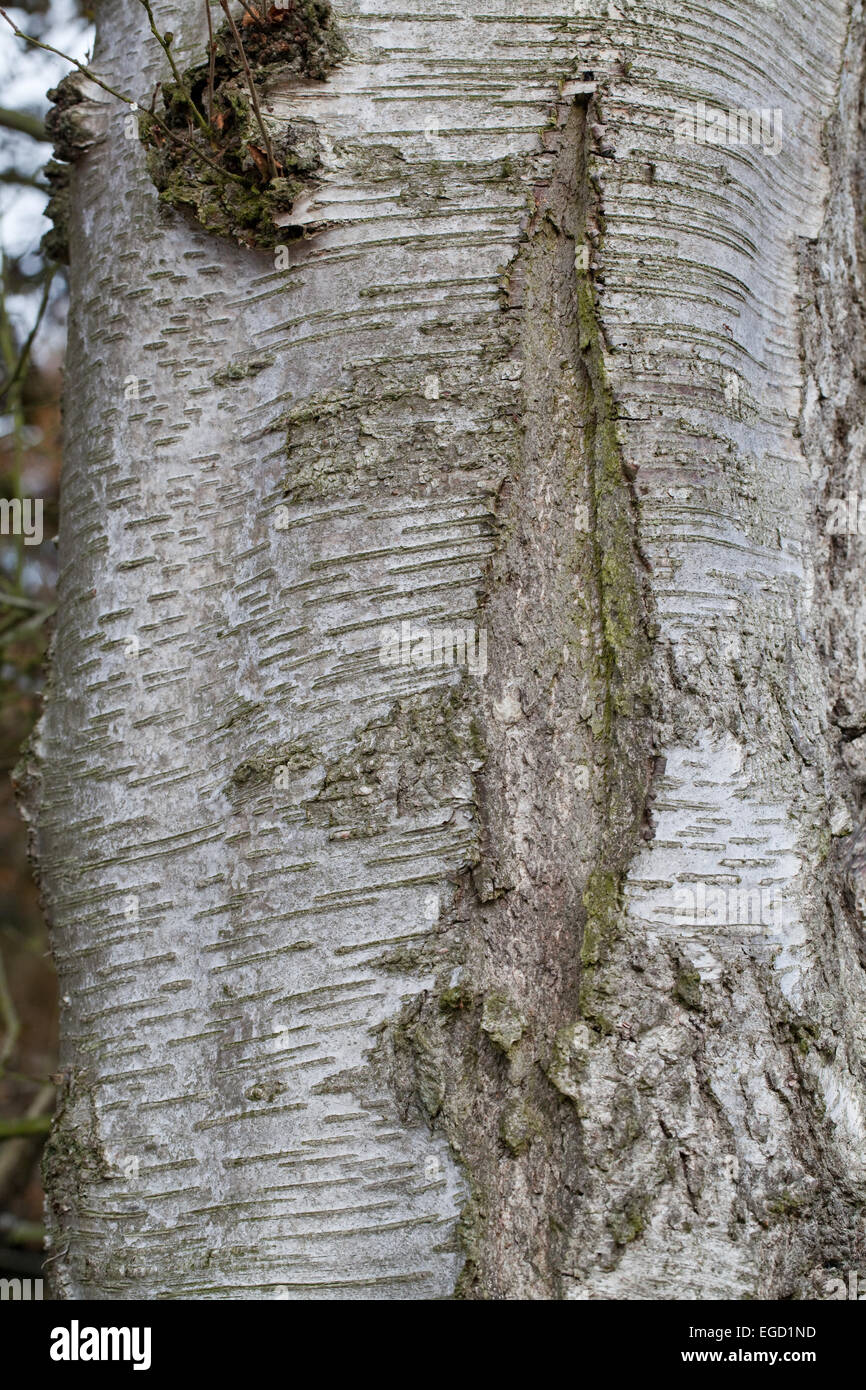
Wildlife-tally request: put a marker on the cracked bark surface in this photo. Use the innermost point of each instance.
(393, 982)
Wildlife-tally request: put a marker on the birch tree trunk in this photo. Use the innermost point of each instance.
(402, 981)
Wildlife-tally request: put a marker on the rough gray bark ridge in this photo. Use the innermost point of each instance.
(395, 981)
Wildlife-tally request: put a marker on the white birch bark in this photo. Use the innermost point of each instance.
(394, 982)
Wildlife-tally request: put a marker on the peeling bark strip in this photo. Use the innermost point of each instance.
(385, 981)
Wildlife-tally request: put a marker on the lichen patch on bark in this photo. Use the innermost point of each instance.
(226, 179)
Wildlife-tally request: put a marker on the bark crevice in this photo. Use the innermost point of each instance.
(567, 731)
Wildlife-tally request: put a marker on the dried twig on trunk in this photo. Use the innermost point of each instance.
(254, 96)
(211, 72)
(164, 41)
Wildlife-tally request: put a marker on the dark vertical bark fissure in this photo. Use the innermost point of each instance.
(568, 756)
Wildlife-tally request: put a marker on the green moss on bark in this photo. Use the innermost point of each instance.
(225, 179)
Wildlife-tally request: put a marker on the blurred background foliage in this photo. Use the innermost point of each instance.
(32, 318)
